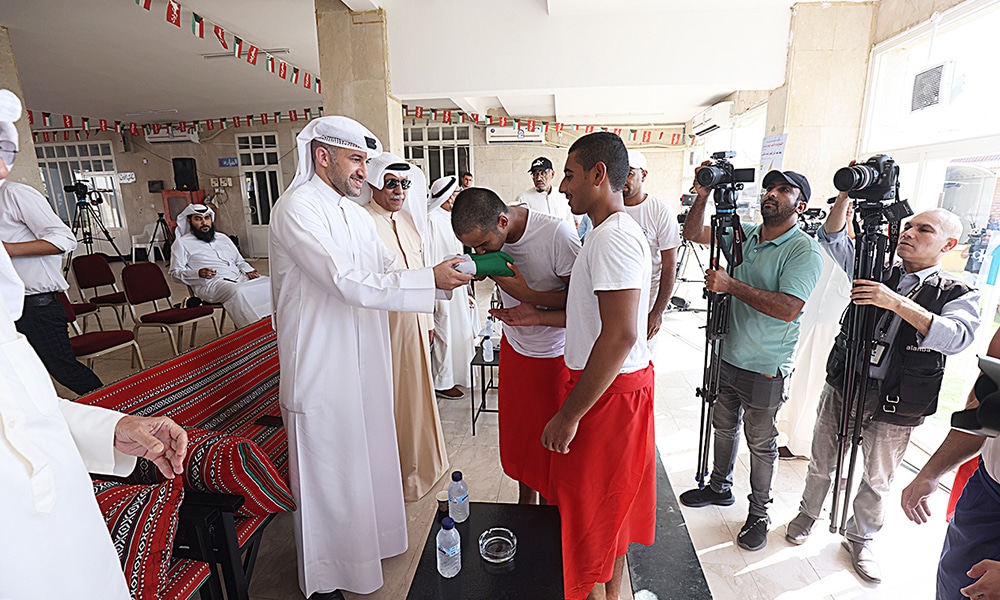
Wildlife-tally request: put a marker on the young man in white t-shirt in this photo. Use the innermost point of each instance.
(533, 375)
(603, 465)
(663, 234)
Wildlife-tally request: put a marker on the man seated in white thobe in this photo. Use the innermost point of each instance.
(215, 270)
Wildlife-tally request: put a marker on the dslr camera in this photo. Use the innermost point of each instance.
(875, 180)
(725, 178)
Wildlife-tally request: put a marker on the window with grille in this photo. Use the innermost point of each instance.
(91, 163)
(439, 149)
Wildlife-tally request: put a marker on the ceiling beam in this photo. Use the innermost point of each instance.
(478, 106)
(362, 5)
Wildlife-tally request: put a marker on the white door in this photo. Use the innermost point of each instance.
(260, 180)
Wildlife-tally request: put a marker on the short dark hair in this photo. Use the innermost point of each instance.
(466, 174)
(476, 208)
(605, 147)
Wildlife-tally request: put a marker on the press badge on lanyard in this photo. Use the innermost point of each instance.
(879, 349)
(878, 353)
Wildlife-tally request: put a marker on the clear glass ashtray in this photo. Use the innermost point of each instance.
(497, 545)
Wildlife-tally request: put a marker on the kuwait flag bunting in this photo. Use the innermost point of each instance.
(67, 121)
(517, 124)
(211, 124)
(461, 117)
(295, 75)
(31, 118)
(406, 110)
(618, 131)
(263, 118)
(118, 127)
(559, 127)
(252, 55)
(446, 116)
(307, 81)
(45, 135)
(282, 69)
(589, 129)
(237, 46)
(308, 113)
(223, 123)
(269, 62)
(661, 136)
(237, 121)
(631, 135)
(503, 121)
(475, 118)
(103, 124)
(249, 120)
(489, 119)
(419, 112)
(675, 139)
(319, 86)
(293, 115)
(133, 128)
(531, 124)
(34, 136)
(86, 122)
(320, 110)
(221, 34)
(143, 3)
(198, 25)
(277, 117)
(157, 127)
(434, 114)
(174, 12)
(647, 136)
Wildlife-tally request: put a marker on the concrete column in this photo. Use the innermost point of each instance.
(26, 166)
(820, 105)
(354, 67)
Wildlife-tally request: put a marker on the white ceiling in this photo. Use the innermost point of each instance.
(578, 61)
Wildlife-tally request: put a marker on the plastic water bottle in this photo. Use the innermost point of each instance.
(458, 498)
(487, 330)
(487, 349)
(449, 545)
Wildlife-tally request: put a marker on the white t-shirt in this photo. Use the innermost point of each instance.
(991, 457)
(615, 257)
(662, 232)
(546, 251)
(551, 203)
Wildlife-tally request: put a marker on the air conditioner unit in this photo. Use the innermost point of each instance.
(513, 135)
(172, 135)
(712, 118)
(932, 87)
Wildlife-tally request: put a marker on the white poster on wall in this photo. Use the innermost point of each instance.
(126, 177)
(771, 153)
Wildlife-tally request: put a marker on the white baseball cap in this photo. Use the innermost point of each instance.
(636, 160)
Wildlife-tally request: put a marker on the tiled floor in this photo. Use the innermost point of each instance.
(817, 569)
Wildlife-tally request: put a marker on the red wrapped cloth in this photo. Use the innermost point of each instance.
(605, 486)
(962, 475)
(531, 391)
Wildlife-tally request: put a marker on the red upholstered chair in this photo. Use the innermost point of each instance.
(214, 305)
(97, 343)
(93, 272)
(84, 310)
(144, 282)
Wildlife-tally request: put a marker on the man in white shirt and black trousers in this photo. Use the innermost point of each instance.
(35, 238)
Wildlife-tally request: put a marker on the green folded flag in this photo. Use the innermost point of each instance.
(493, 264)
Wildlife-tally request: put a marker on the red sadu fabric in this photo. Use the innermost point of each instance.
(142, 520)
(531, 391)
(222, 463)
(605, 486)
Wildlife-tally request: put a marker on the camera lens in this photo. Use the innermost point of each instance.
(710, 176)
(856, 177)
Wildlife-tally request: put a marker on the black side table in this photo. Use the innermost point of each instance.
(486, 384)
(535, 573)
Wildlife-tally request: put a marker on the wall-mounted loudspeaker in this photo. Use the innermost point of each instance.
(185, 174)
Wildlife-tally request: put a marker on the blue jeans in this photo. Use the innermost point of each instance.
(882, 446)
(972, 535)
(753, 400)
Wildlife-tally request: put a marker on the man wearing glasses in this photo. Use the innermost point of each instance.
(400, 214)
(36, 239)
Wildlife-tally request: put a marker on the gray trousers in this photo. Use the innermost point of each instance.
(882, 447)
(753, 400)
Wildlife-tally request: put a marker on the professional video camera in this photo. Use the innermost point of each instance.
(84, 192)
(687, 201)
(811, 220)
(875, 180)
(726, 179)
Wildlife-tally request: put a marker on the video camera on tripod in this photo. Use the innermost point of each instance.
(85, 193)
(874, 185)
(85, 217)
(727, 182)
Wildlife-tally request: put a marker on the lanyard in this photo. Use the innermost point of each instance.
(887, 319)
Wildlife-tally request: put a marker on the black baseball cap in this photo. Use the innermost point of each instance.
(791, 178)
(540, 164)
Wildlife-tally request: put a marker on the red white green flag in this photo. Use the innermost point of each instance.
(263, 118)
(252, 55)
(293, 115)
(282, 69)
(103, 124)
(420, 112)
(174, 12)
(157, 127)
(589, 129)
(31, 118)
(269, 62)
(143, 3)
(503, 121)
(319, 86)
(277, 117)
(475, 118)
(295, 75)
(220, 33)
(133, 128)
(118, 127)
(531, 125)
(647, 136)
(675, 139)
(617, 131)
(446, 116)
(198, 25)
(320, 110)
(308, 113)
(307, 80)
(249, 120)
(237, 47)
(237, 122)
(86, 122)
(223, 123)
(210, 123)
(559, 127)
(67, 121)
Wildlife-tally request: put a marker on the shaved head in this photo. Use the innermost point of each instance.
(950, 224)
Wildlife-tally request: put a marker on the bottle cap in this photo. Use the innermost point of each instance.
(448, 523)
(456, 476)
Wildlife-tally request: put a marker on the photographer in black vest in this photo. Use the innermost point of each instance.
(926, 315)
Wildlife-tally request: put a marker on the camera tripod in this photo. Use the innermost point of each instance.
(679, 303)
(160, 228)
(84, 218)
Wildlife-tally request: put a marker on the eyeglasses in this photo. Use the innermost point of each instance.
(403, 183)
(7, 153)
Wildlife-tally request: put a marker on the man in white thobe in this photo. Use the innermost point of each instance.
(453, 319)
(332, 282)
(215, 269)
(55, 543)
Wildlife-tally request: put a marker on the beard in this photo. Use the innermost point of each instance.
(778, 214)
(205, 236)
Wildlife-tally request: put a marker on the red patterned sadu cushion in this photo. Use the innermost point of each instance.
(229, 464)
(142, 520)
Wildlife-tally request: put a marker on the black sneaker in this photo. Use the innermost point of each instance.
(753, 535)
(703, 497)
